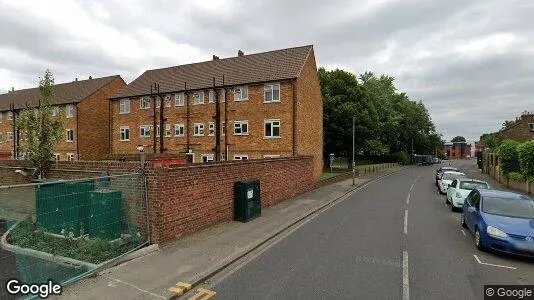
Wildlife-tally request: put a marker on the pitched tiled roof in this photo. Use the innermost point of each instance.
(247, 69)
(71, 92)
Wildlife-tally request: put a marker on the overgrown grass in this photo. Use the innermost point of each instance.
(327, 175)
(89, 250)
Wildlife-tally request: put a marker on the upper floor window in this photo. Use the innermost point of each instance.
(272, 128)
(198, 98)
(125, 106)
(198, 129)
(168, 130)
(211, 128)
(271, 93)
(144, 131)
(158, 102)
(167, 101)
(211, 97)
(240, 127)
(144, 103)
(241, 93)
(125, 133)
(179, 99)
(10, 136)
(10, 115)
(179, 129)
(70, 135)
(69, 111)
(55, 111)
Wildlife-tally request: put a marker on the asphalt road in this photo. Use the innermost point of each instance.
(389, 240)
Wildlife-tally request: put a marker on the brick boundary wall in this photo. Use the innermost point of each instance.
(185, 200)
(338, 178)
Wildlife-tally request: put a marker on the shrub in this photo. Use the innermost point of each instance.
(526, 159)
(516, 176)
(402, 158)
(508, 157)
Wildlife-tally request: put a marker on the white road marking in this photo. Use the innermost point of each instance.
(464, 232)
(411, 188)
(408, 199)
(135, 287)
(492, 265)
(405, 277)
(406, 222)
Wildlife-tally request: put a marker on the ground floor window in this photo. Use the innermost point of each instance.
(208, 158)
(240, 157)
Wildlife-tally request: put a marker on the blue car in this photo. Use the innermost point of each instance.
(502, 221)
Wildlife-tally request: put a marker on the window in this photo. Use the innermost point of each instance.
(211, 96)
(272, 128)
(10, 136)
(158, 102)
(272, 93)
(158, 131)
(55, 111)
(241, 93)
(125, 133)
(271, 156)
(70, 135)
(144, 131)
(70, 156)
(124, 106)
(222, 95)
(240, 157)
(168, 130)
(179, 129)
(531, 126)
(198, 129)
(198, 98)
(240, 127)
(207, 158)
(144, 103)
(10, 115)
(69, 111)
(1, 138)
(179, 99)
(57, 156)
(211, 128)
(1, 117)
(223, 128)
(167, 101)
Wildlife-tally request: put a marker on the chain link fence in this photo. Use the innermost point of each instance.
(63, 230)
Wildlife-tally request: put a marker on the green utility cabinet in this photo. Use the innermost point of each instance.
(104, 214)
(247, 200)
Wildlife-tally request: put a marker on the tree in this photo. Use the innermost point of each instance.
(40, 129)
(507, 124)
(491, 141)
(458, 139)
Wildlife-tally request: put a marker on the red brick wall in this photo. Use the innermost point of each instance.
(186, 200)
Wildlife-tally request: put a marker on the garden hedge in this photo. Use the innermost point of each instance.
(509, 157)
(526, 159)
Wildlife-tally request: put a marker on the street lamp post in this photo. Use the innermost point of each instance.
(353, 162)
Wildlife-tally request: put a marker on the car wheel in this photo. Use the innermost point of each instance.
(447, 200)
(478, 241)
(464, 225)
(453, 209)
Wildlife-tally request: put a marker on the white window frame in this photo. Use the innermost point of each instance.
(210, 158)
(9, 116)
(272, 136)
(143, 129)
(176, 126)
(271, 87)
(238, 93)
(198, 98)
(211, 127)
(179, 99)
(158, 131)
(200, 127)
(168, 130)
(240, 124)
(124, 106)
(57, 156)
(124, 129)
(271, 156)
(70, 157)
(55, 111)
(211, 96)
(167, 101)
(70, 111)
(158, 102)
(68, 136)
(240, 156)
(10, 136)
(144, 103)
(223, 128)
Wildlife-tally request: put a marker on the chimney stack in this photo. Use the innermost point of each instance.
(215, 57)
(90, 77)
(12, 89)
(76, 79)
(240, 53)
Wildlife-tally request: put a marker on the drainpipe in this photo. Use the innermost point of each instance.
(110, 128)
(225, 122)
(294, 133)
(77, 131)
(187, 113)
(217, 124)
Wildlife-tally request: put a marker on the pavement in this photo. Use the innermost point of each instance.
(195, 259)
(394, 238)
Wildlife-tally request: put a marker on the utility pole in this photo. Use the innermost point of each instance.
(353, 162)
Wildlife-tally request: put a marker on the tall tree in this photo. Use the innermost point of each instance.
(40, 129)
(457, 139)
(507, 124)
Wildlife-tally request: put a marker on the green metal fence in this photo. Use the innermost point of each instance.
(63, 230)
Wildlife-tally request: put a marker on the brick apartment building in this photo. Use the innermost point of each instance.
(267, 105)
(83, 107)
(522, 130)
(457, 150)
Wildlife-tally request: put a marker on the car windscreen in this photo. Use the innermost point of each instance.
(516, 208)
(469, 185)
(452, 176)
(445, 169)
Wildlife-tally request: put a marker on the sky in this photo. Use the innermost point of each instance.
(470, 62)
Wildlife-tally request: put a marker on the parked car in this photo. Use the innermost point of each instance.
(427, 160)
(459, 189)
(437, 160)
(439, 172)
(500, 220)
(447, 178)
